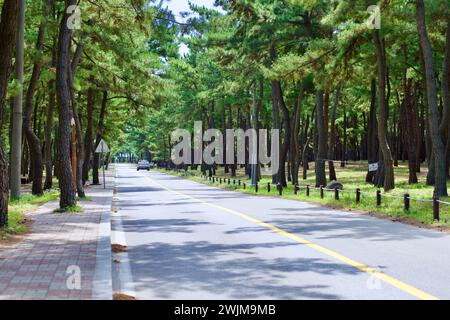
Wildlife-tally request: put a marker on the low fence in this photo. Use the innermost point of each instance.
(406, 198)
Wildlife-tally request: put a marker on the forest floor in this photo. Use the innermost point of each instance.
(353, 177)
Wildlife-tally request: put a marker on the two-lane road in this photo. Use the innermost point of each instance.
(190, 241)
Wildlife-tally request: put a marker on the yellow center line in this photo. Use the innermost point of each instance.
(360, 266)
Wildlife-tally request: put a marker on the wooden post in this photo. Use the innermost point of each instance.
(280, 189)
(358, 195)
(321, 192)
(435, 207)
(256, 187)
(296, 188)
(268, 186)
(307, 191)
(378, 198)
(336, 193)
(406, 201)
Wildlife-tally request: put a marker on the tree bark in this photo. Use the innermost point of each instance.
(88, 134)
(76, 116)
(440, 186)
(372, 141)
(295, 126)
(33, 140)
(66, 183)
(445, 93)
(332, 141)
(8, 29)
(16, 147)
(321, 178)
(98, 137)
(287, 135)
(389, 180)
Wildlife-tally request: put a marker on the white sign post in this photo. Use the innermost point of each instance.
(373, 167)
(102, 148)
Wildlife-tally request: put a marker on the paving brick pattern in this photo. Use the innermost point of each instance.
(40, 266)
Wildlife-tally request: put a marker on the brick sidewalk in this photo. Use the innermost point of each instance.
(37, 267)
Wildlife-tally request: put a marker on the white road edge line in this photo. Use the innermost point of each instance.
(121, 270)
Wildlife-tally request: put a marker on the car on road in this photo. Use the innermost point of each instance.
(143, 165)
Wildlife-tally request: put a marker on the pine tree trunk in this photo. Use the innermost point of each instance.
(66, 183)
(440, 187)
(76, 116)
(16, 146)
(295, 127)
(389, 180)
(332, 141)
(321, 179)
(445, 93)
(33, 140)
(8, 29)
(287, 135)
(98, 137)
(88, 134)
(372, 141)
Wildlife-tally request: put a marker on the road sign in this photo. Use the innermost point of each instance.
(102, 147)
(373, 167)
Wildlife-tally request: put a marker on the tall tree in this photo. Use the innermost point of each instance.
(8, 30)
(16, 147)
(438, 147)
(66, 184)
(388, 162)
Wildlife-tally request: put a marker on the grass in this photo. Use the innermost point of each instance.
(352, 177)
(19, 207)
(86, 198)
(69, 209)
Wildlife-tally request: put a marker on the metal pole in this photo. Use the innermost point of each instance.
(103, 164)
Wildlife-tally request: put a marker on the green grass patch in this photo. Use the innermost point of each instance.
(70, 209)
(86, 198)
(19, 207)
(352, 177)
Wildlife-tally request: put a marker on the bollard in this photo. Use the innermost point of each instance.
(234, 181)
(336, 194)
(229, 181)
(358, 195)
(280, 189)
(436, 207)
(239, 182)
(307, 190)
(268, 187)
(296, 188)
(256, 187)
(214, 179)
(321, 192)
(406, 201)
(244, 185)
(378, 198)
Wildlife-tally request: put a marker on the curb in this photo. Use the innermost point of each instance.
(102, 284)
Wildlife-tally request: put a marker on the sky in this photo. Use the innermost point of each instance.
(177, 6)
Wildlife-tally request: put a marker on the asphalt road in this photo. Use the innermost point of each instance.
(191, 241)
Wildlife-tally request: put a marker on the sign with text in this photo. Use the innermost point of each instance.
(373, 167)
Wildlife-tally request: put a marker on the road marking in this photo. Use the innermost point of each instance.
(123, 277)
(360, 266)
